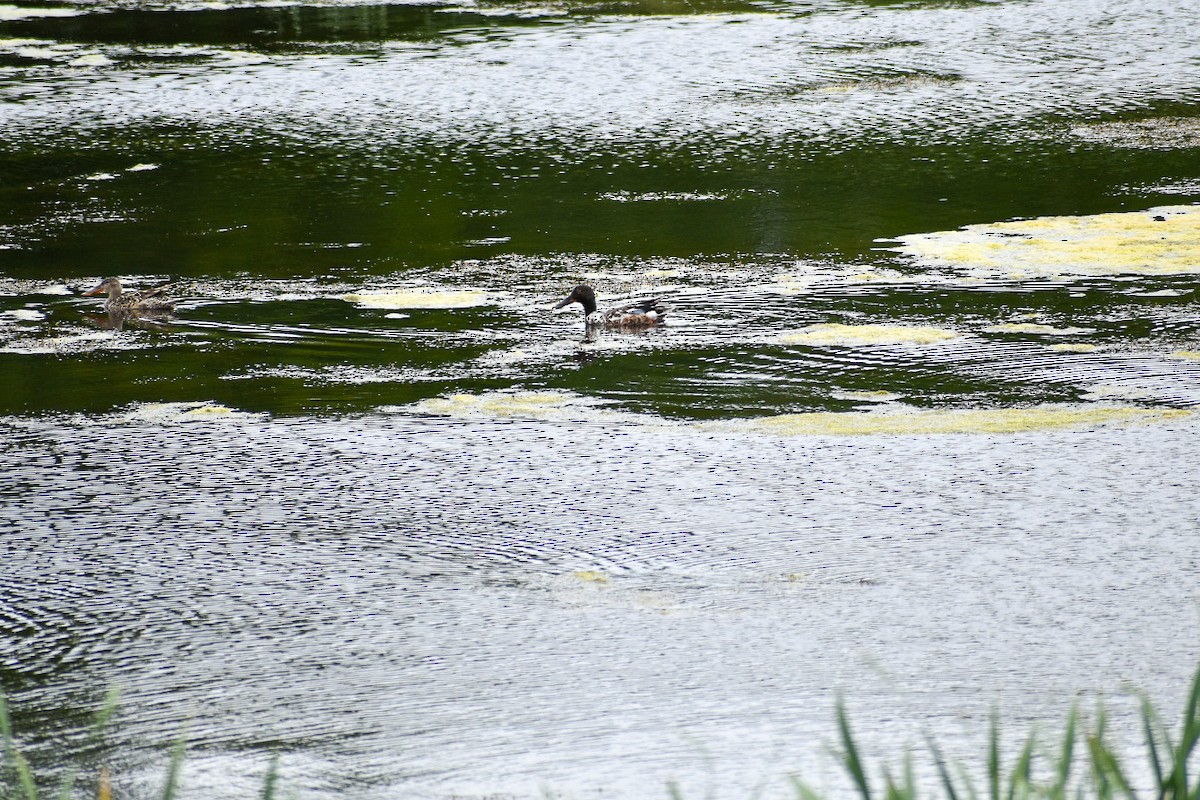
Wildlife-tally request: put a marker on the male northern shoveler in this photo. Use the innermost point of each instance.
(634, 314)
(151, 301)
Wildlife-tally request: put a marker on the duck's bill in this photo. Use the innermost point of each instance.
(570, 299)
(98, 290)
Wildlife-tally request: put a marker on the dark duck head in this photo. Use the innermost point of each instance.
(583, 295)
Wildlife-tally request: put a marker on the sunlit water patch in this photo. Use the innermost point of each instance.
(436, 606)
(953, 72)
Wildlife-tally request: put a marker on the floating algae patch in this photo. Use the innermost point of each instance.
(867, 397)
(1073, 347)
(1186, 355)
(1164, 133)
(517, 404)
(418, 298)
(187, 412)
(11, 13)
(834, 333)
(1036, 329)
(818, 276)
(916, 422)
(1159, 241)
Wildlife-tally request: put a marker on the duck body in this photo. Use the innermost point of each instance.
(635, 314)
(151, 301)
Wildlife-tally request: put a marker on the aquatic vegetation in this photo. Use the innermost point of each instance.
(1036, 329)
(887, 418)
(849, 335)
(418, 298)
(1073, 347)
(1157, 241)
(1106, 776)
(530, 405)
(184, 412)
(1152, 134)
(907, 421)
(519, 404)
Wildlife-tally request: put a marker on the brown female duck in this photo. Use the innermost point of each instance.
(151, 301)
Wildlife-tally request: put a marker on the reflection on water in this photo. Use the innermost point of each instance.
(920, 425)
(456, 607)
(419, 617)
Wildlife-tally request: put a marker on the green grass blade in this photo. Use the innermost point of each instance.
(5, 723)
(1177, 785)
(1106, 770)
(993, 765)
(171, 787)
(5, 745)
(943, 771)
(968, 783)
(1066, 756)
(1021, 779)
(103, 716)
(905, 790)
(107, 710)
(24, 776)
(68, 785)
(850, 757)
(1152, 730)
(268, 792)
(803, 791)
(1191, 732)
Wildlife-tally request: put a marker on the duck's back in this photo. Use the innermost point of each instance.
(149, 300)
(637, 314)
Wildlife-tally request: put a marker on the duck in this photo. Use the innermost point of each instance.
(151, 301)
(633, 314)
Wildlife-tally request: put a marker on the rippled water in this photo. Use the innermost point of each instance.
(919, 427)
(481, 607)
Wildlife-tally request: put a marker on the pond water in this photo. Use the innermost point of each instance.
(919, 428)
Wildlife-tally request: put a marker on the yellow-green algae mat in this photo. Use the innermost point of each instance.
(894, 420)
(424, 298)
(909, 421)
(1158, 241)
(834, 333)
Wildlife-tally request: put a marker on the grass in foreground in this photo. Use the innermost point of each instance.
(1101, 777)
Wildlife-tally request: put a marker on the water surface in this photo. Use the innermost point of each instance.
(919, 427)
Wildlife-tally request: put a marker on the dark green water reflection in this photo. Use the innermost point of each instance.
(273, 160)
